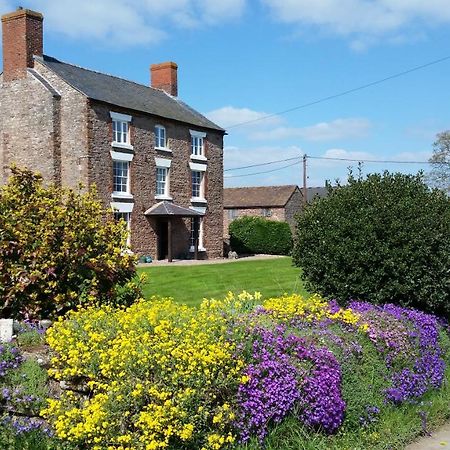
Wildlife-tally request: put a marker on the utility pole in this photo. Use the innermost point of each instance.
(305, 192)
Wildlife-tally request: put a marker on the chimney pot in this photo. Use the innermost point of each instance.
(22, 38)
(164, 76)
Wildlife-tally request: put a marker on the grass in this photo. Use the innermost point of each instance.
(190, 284)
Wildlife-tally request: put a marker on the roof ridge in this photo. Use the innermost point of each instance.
(94, 84)
(270, 186)
(53, 59)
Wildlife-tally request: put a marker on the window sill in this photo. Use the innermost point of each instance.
(200, 249)
(163, 149)
(163, 197)
(199, 158)
(199, 200)
(122, 145)
(122, 195)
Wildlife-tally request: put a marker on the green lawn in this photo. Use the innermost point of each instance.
(190, 284)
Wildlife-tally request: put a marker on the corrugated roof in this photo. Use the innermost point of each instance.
(265, 196)
(169, 209)
(127, 94)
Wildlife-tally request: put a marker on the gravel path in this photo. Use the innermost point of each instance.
(440, 439)
(192, 262)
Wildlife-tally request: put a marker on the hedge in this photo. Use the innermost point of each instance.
(250, 235)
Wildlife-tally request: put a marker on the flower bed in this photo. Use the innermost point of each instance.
(162, 375)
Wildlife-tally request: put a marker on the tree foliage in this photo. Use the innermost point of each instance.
(382, 239)
(250, 235)
(439, 175)
(58, 248)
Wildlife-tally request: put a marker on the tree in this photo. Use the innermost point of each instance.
(383, 239)
(58, 248)
(439, 175)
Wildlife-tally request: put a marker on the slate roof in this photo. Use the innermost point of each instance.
(127, 94)
(261, 196)
(169, 209)
(314, 192)
(265, 196)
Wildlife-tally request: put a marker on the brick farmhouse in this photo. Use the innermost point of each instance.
(280, 203)
(157, 162)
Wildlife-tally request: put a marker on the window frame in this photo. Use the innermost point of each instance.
(124, 207)
(127, 220)
(120, 121)
(233, 214)
(163, 182)
(198, 145)
(163, 163)
(158, 129)
(127, 191)
(201, 248)
(266, 212)
(199, 184)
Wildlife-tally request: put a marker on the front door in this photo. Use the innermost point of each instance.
(163, 239)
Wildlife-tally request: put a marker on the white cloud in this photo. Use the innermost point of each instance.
(229, 116)
(364, 21)
(129, 22)
(323, 131)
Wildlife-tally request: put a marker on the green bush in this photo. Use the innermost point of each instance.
(58, 248)
(258, 235)
(382, 239)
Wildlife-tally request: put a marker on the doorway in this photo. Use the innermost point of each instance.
(163, 239)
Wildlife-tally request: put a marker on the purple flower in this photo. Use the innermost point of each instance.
(287, 372)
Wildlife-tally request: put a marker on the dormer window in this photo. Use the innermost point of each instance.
(121, 130)
(197, 144)
(160, 137)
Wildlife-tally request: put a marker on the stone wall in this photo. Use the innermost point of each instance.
(28, 132)
(73, 129)
(143, 177)
(44, 127)
(293, 207)
(49, 127)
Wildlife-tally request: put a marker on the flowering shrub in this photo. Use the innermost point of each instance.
(162, 375)
(57, 250)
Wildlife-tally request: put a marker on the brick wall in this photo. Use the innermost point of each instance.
(22, 38)
(143, 177)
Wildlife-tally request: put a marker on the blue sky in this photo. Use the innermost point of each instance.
(240, 60)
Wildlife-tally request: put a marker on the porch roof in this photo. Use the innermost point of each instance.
(169, 209)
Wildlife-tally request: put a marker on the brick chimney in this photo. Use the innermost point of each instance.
(22, 38)
(164, 76)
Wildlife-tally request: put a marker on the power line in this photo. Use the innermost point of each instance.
(341, 94)
(266, 171)
(298, 160)
(376, 160)
(262, 164)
